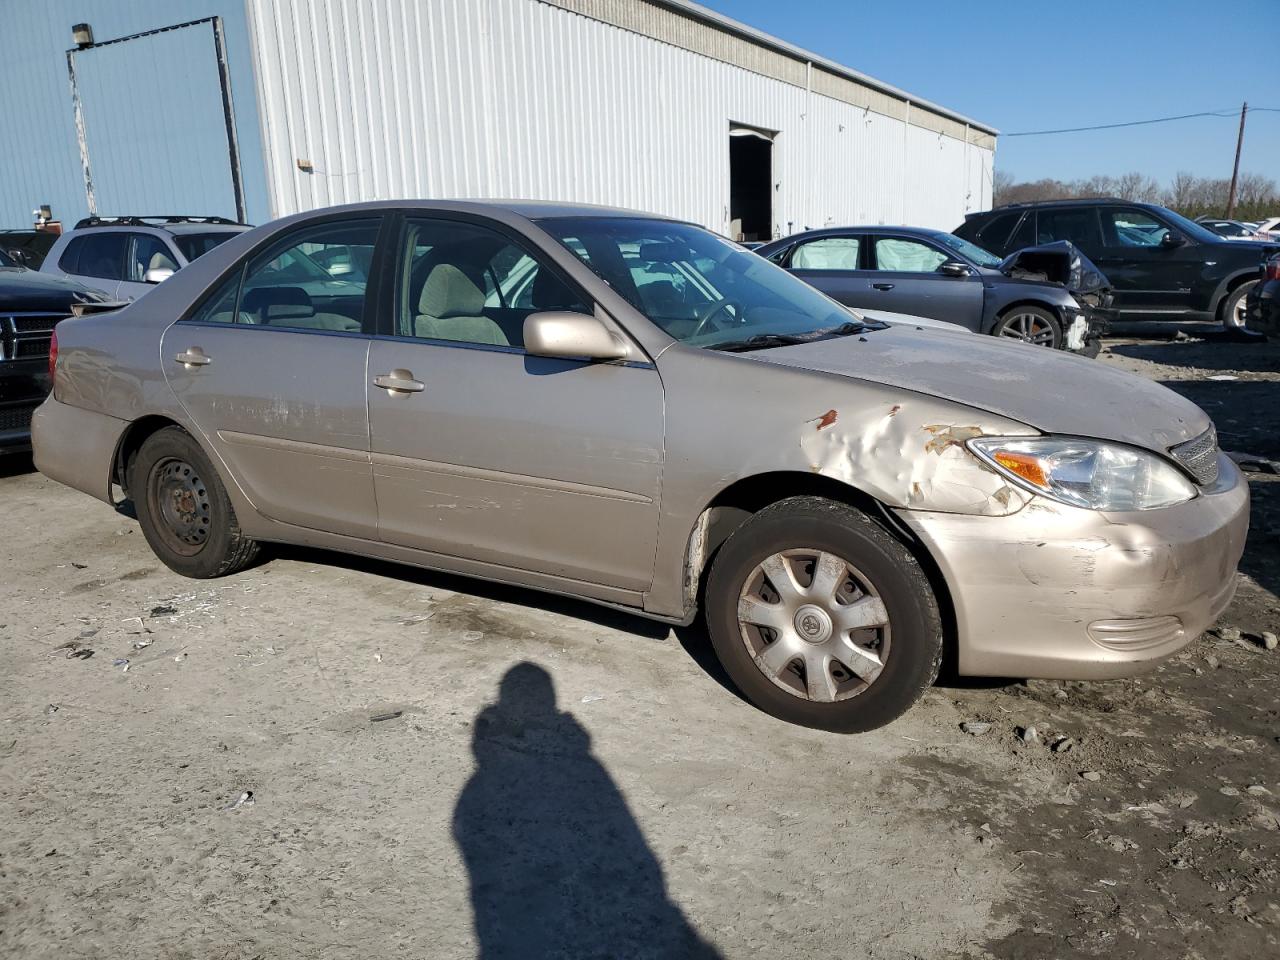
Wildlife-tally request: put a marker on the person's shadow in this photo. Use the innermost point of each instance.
(558, 867)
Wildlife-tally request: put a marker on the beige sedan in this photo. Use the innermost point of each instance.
(633, 411)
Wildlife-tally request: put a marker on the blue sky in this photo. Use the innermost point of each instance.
(1036, 65)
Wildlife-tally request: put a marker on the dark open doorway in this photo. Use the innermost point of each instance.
(750, 184)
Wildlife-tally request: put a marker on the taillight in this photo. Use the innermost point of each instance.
(1273, 269)
(53, 352)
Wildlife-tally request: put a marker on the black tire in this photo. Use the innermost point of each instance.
(1232, 304)
(184, 510)
(1043, 319)
(812, 523)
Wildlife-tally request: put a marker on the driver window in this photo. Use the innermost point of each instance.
(1132, 228)
(829, 253)
(469, 284)
(907, 256)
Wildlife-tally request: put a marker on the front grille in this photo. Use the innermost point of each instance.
(29, 324)
(26, 336)
(1199, 456)
(15, 418)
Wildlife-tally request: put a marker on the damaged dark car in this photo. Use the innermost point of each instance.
(1051, 296)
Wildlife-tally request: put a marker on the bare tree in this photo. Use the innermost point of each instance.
(1256, 195)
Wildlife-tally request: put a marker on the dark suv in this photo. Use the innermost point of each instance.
(1161, 265)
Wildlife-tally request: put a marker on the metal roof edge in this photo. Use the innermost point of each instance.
(720, 21)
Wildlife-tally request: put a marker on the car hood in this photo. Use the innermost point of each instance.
(1050, 390)
(25, 290)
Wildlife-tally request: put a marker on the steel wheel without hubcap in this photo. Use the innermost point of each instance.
(1027, 327)
(814, 625)
(179, 498)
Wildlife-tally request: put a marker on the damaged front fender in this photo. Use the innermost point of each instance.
(904, 456)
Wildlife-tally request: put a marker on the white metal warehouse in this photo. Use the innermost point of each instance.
(261, 108)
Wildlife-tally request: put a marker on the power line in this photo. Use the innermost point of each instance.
(1140, 123)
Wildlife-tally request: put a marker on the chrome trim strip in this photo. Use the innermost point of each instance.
(499, 476)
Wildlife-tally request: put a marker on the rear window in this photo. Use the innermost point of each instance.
(195, 245)
(1077, 224)
(995, 232)
(96, 255)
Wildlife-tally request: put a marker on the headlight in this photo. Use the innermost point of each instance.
(1086, 473)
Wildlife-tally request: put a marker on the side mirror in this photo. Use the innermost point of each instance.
(157, 275)
(1172, 239)
(561, 334)
(953, 268)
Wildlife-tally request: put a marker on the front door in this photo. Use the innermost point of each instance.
(907, 279)
(271, 367)
(1148, 275)
(483, 452)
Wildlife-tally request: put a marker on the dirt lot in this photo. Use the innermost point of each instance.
(439, 767)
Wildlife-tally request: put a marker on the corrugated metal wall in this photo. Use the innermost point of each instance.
(41, 159)
(518, 98)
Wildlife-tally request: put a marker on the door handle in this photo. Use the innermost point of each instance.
(399, 382)
(193, 357)
(883, 286)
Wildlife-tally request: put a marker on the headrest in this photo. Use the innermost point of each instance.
(278, 303)
(448, 292)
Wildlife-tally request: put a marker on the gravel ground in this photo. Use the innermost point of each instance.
(327, 757)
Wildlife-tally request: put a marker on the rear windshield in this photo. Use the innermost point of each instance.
(195, 245)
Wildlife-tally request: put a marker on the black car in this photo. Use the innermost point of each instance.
(1263, 304)
(929, 273)
(31, 304)
(1161, 265)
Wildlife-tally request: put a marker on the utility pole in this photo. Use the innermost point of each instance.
(1235, 171)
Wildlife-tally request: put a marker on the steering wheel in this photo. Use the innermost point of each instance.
(713, 310)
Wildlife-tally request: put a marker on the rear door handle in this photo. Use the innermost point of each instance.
(399, 382)
(193, 357)
(883, 286)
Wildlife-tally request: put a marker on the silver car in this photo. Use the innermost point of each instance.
(633, 411)
(126, 256)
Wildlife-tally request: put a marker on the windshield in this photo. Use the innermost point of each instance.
(699, 288)
(195, 245)
(6, 260)
(970, 251)
(1192, 229)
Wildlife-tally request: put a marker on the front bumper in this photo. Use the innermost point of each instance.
(1063, 593)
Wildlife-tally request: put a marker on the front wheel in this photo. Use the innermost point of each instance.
(822, 618)
(1233, 311)
(1031, 325)
(184, 510)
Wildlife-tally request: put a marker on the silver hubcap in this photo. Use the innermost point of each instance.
(814, 625)
(1028, 327)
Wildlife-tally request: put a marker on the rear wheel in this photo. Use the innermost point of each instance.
(1232, 312)
(822, 618)
(1031, 325)
(184, 510)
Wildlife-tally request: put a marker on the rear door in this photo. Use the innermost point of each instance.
(836, 266)
(907, 280)
(483, 452)
(271, 367)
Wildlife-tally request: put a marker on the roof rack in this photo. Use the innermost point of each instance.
(1064, 200)
(152, 220)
